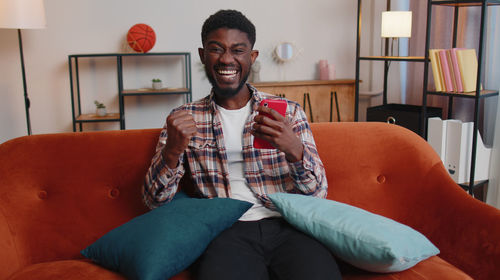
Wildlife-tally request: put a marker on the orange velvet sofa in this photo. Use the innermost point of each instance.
(61, 192)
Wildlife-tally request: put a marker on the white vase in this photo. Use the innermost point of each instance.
(157, 85)
(101, 112)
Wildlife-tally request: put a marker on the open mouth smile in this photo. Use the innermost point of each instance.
(226, 75)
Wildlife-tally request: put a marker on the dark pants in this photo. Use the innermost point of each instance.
(266, 249)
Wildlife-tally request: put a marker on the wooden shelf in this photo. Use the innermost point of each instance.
(465, 3)
(394, 58)
(472, 94)
(150, 91)
(95, 118)
(476, 184)
(128, 54)
(303, 83)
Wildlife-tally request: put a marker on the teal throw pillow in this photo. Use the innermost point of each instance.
(166, 240)
(361, 238)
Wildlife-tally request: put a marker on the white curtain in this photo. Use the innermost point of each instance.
(492, 81)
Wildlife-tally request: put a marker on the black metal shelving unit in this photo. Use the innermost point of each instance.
(74, 77)
(478, 94)
(386, 59)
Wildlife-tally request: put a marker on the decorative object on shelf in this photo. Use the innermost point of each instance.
(255, 72)
(285, 52)
(452, 141)
(100, 109)
(454, 70)
(326, 71)
(157, 84)
(395, 25)
(141, 37)
(22, 14)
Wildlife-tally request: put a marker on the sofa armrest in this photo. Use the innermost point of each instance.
(466, 230)
(8, 253)
(391, 171)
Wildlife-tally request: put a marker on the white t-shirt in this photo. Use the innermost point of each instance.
(233, 123)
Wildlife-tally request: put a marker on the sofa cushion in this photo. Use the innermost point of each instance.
(69, 269)
(74, 270)
(166, 240)
(429, 269)
(363, 239)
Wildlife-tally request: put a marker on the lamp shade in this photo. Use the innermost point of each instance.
(22, 14)
(396, 24)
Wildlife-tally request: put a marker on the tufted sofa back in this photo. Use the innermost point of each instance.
(60, 192)
(376, 166)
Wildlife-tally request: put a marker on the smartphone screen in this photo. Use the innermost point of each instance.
(279, 105)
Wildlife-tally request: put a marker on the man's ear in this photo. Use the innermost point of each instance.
(254, 54)
(201, 52)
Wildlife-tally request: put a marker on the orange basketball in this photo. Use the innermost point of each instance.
(141, 37)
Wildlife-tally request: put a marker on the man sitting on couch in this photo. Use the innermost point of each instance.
(210, 140)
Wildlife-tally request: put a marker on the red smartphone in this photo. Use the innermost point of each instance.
(279, 105)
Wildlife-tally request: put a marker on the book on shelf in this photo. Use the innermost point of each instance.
(436, 72)
(445, 69)
(452, 141)
(467, 63)
(454, 70)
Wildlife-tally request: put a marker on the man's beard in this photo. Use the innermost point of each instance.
(226, 93)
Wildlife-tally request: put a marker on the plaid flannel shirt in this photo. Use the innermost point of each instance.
(266, 170)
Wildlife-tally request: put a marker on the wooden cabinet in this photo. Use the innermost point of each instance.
(323, 101)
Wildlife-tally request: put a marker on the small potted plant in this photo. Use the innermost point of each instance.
(157, 83)
(100, 109)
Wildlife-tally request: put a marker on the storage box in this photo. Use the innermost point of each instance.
(402, 114)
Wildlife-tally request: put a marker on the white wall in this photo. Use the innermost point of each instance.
(322, 29)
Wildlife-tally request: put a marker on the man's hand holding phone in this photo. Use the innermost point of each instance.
(272, 130)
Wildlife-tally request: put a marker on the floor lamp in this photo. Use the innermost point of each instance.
(22, 14)
(395, 25)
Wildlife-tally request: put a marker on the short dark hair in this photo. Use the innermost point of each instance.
(231, 19)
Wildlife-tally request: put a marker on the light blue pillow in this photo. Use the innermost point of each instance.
(166, 240)
(361, 238)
